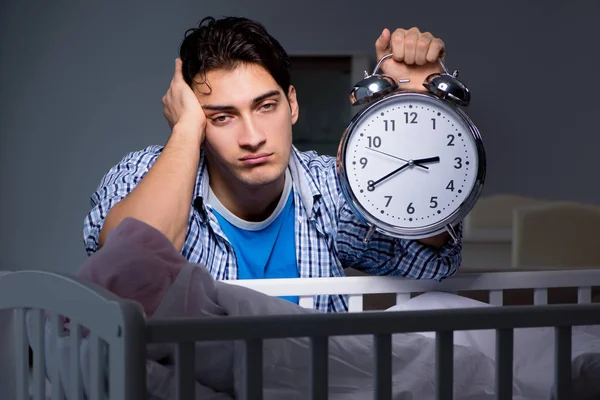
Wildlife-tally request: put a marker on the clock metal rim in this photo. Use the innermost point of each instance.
(402, 232)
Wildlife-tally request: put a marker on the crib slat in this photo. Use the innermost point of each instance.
(22, 354)
(320, 367)
(444, 351)
(96, 370)
(504, 363)
(355, 302)
(253, 366)
(383, 367)
(584, 295)
(306, 301)
(39, 359)
(496, 298)
(184, 369)
(57, 327)
(562, 362)
(76, 387)
(540, 296)
(402, 298)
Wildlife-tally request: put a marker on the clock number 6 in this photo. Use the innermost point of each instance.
(410, 209)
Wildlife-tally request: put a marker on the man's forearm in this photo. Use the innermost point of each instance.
(162, 198)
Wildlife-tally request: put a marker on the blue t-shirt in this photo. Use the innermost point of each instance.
(268, 252)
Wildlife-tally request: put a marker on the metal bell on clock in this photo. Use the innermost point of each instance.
(373, 86)
(443, 85)
(447, 86)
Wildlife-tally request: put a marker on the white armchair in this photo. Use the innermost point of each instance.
(556, 235)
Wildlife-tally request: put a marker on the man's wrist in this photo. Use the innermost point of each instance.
(186, 134)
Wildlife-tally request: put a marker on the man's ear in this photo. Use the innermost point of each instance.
(294, 107)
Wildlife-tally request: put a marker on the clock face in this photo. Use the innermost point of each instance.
(411, 161)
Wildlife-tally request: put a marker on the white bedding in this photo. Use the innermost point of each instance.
(218, 371)
(533, 355)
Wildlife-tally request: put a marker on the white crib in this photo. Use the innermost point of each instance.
(119, 327)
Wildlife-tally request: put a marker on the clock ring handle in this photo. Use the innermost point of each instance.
(377, 67)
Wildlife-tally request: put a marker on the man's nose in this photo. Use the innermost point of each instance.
(253, 135)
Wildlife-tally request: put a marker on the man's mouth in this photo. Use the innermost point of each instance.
(255, 159)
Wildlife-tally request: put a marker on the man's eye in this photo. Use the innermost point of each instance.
(222, 118)
(268, 106)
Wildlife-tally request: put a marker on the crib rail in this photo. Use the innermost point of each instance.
(493, 282)
(253, 330)
(114, 325)
(121, 327)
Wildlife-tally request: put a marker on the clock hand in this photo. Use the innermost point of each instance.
(398, 158)
(426, 160)
(390, 174)
(410, 163)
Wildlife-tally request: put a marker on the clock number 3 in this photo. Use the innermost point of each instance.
(458, 162)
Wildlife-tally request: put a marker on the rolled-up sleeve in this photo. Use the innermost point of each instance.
(118, 182)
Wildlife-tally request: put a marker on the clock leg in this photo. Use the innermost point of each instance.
(452, 233)
(369, 234)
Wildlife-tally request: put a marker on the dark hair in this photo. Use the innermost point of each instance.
(228, 42)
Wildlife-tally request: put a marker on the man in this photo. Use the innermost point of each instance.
(231, 192)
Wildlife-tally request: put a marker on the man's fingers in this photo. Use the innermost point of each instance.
(436, 50)
(398, 45)
(422, 48)
(382, 44)
(410, 45)
(178, 75)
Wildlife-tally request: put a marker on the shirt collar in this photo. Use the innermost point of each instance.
(302, 179)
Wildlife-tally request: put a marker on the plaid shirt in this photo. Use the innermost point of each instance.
(328, 234)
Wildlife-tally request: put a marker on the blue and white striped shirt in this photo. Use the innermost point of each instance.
(328, 234)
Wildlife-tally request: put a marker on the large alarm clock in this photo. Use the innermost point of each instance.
(411, 164)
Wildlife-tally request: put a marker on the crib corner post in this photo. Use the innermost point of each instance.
(131, 373)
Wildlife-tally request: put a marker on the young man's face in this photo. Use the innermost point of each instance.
(249, 126)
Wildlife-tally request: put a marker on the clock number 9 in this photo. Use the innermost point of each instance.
(363, 162)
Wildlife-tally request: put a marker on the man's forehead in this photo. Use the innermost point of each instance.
(220, 92)
(248, 79)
